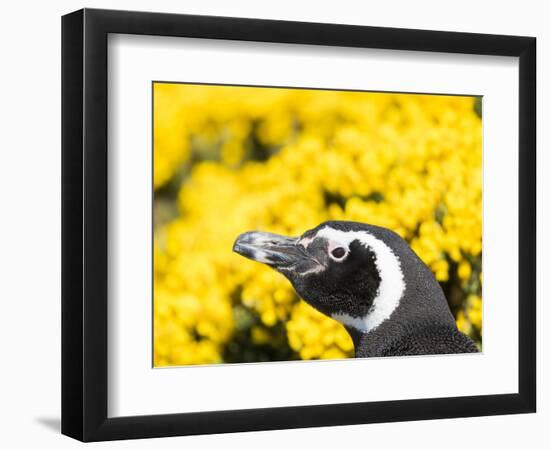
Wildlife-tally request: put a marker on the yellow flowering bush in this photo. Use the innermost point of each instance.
(232, 159)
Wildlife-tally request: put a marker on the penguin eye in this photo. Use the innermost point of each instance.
(338, 252)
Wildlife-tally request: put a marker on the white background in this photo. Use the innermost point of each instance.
(136, 389)
(30, 225)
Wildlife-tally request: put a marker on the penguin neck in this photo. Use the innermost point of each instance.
(374, 343)
(358, 337)
(411, 316)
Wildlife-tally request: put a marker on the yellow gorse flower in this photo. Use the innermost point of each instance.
(231, 159)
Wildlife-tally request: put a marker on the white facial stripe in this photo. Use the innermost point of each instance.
(306, 241)
(392, 282)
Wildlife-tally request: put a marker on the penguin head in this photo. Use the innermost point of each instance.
(349, 271)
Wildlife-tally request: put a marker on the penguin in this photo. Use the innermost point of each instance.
(367, 278)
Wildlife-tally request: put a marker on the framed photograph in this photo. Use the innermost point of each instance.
(273, 224)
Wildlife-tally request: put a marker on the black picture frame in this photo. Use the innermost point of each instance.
(84, 224)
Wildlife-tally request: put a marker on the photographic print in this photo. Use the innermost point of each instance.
(307, 224)
(352, 204)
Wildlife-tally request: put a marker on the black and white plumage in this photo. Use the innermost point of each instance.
(370, 280)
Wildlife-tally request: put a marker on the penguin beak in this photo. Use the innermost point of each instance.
(274, 250)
